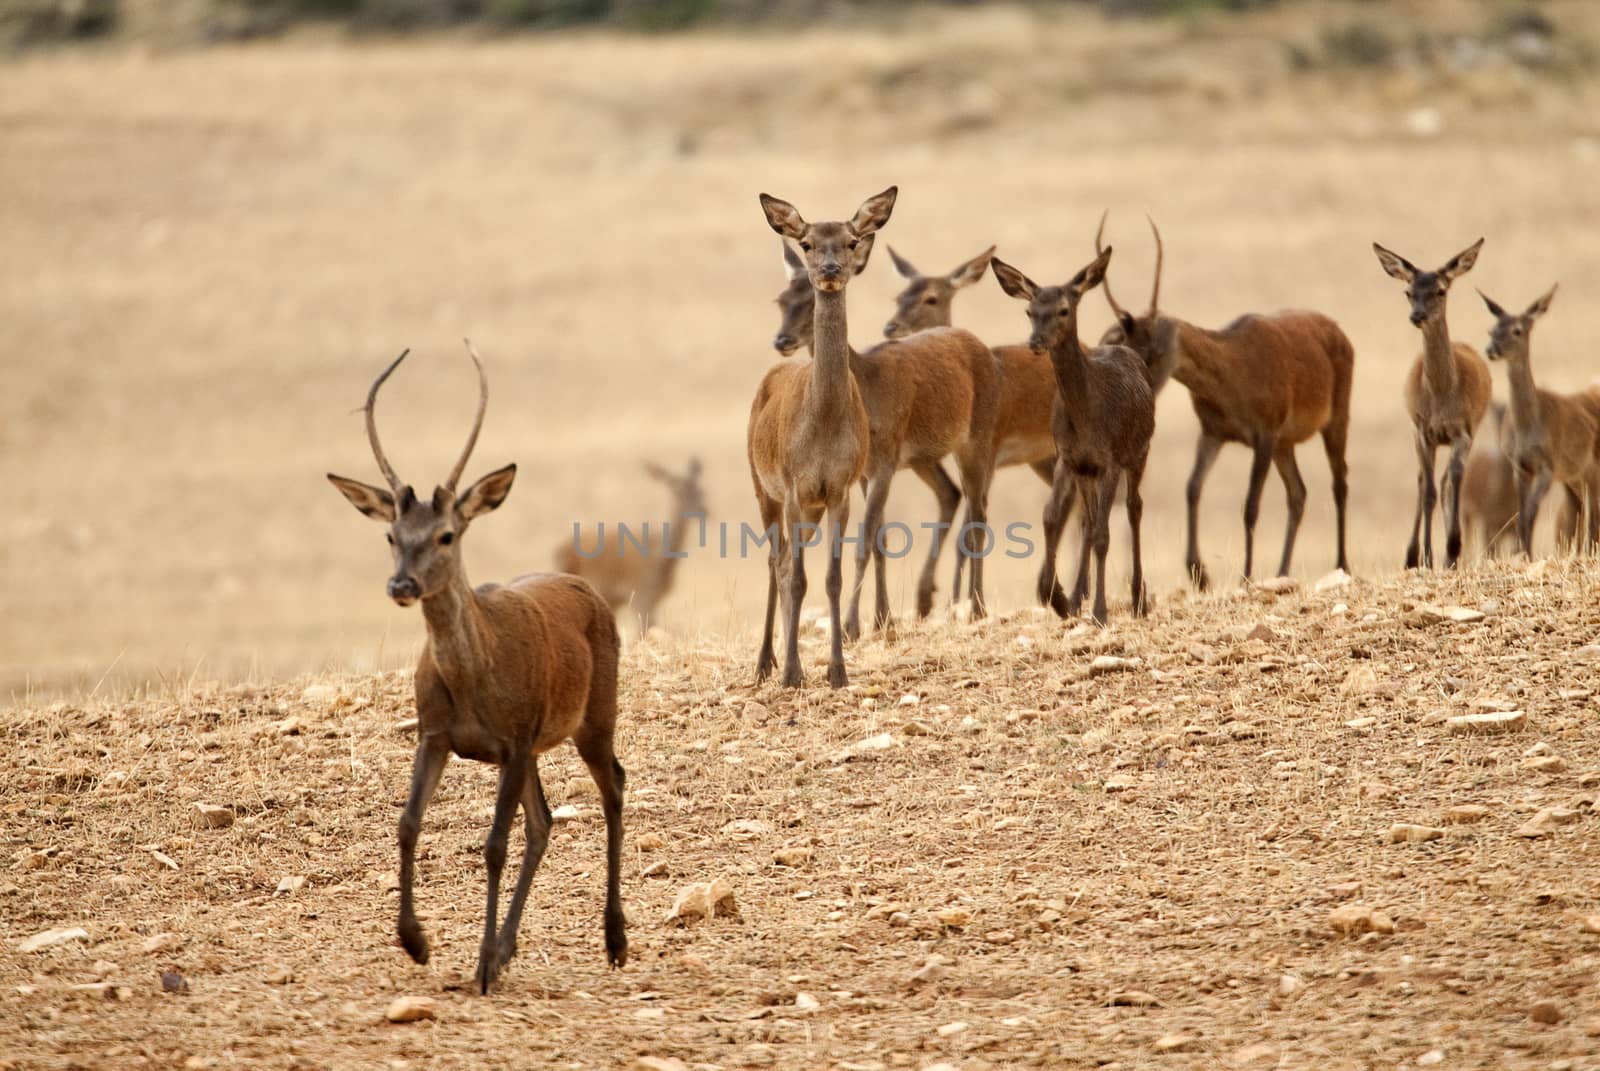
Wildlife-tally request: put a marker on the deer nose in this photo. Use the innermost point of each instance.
(404, 589)
(785, 344)
(891, 329)
(1036, 343)
(1417, 316)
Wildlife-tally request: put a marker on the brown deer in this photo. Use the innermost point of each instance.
(926, 397)
(628, 574)
(1022, 433)
(1447, 393)
(808, 436)
(1550, 436)
(1103, 418)
(1268, 382)
(509, 672)
(1489, 503)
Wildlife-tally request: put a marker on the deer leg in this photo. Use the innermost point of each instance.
(1333, 441)
(1088, 490)
(877, 487)
(1135, 515)
(1056, 509)
(432, 754)
(975, 486)
(772, 521)
(1420, 552)
(838, 518)
(1104, 493)
(1532, 498)
(1294, 488)
(795, 569)
(1592, 505)
(600, 756)
(1453, 472)
(1205, 454)
(536, 836)
(513, 778)
(961, 559)
(1252, 500)
(949, 496)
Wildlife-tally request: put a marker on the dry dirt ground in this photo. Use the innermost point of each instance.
(1008, 861)
(210, 253)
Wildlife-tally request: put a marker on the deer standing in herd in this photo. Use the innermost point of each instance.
(1489, 503)
(1103, 417)
(927, 397)
(508, 672)
(1268, 382)
(1446, 393)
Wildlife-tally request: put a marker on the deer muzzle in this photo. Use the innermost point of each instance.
(404, 589)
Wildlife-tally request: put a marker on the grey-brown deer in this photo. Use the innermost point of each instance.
(1550, 437)
(1022, 433)
(1268, 382)
(508, 673)
(929, 396)
(1103, 418)
(1489, 503)
(1446, 393)
(636, 570)
(808, 437)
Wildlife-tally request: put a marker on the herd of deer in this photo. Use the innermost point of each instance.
(510, 671)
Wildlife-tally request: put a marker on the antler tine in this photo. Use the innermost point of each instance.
(1155, 289)
(477, 422)
(395, 483)
(1105, 284)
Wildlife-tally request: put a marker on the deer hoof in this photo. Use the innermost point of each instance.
(836, 676)
(415, 944)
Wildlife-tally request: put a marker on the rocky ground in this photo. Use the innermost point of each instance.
(1252, 831)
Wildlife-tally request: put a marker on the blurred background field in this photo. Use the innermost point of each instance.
(221, 220)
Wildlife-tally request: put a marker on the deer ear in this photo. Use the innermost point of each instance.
(874, 212)
(864, 252)
(486, 494)
(783, 217)
(1494, 307)
(903, 266)
(656, 472)
(1012, 281)
(375, 502)
(1092, 275)
(972, 270)
(1395, 264)
(1540, 307)
(791, 261)
(1462, 262)
(693, 473)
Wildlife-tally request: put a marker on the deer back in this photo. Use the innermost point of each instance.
(928, 393)
(1027, 397)
(1283, 376)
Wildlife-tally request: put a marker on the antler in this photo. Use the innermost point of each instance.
(1105, 286)
(1155, 290)
(395, 483)
(477, 423)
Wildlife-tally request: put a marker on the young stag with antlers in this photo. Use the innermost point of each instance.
(1104, 416)
(1550, 436)
(508, 673)
(1446, 393)
(1268, 382)
(808, 436)
(625, 574)
(1022, 433)
(926, 397)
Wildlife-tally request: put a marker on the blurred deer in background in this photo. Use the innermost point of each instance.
(1447, 393)
(1550, 436)
(509, 672)
(1269, 382)
(626, 574)
(1489, 502)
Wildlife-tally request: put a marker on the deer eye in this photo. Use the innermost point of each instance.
(930, 301)
(853, 243)
(446, 538)
(805, 247)
(1063, 313)
(390, 537)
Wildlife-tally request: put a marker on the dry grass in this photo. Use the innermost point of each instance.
(1181, 829)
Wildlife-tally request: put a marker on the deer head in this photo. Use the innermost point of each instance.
(687, 496)
(1427, 289)
(831, 251)
(1153, 336)
(926, 300)
(797, 303)
(1508, 340)
(425, 535)
(1052, 310)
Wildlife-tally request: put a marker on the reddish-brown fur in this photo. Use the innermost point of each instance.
(508, 673)
(1489, 489)
(1268, 382)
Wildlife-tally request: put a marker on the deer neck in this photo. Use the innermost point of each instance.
(1072, 369)
(1438, 360)
(831, 356)
(1525, 415)
(674, 546)
(457, 635)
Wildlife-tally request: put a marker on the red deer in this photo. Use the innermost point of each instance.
(1489, 502)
